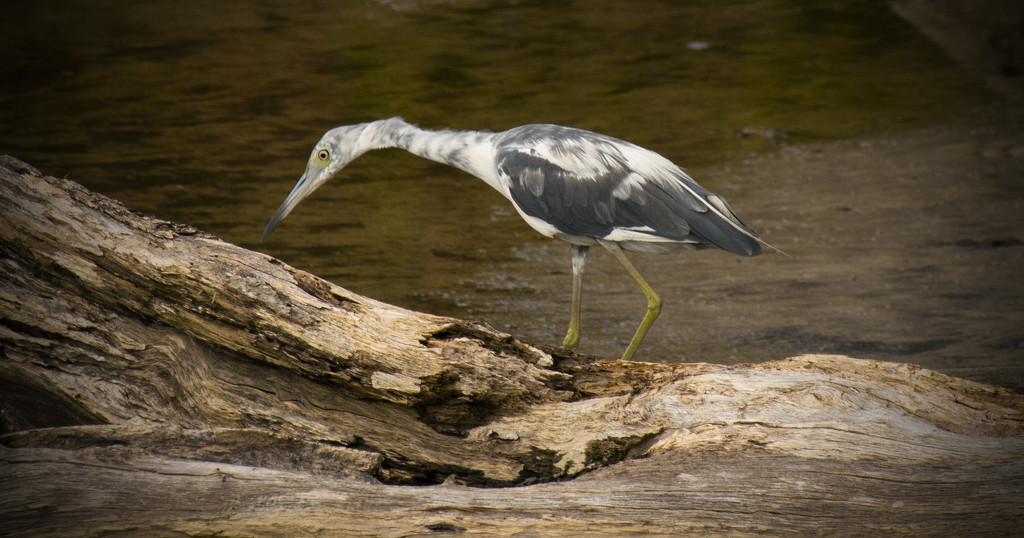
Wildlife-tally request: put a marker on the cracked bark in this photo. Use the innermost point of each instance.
(156, 379)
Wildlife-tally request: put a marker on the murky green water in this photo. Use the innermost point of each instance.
(205, 113)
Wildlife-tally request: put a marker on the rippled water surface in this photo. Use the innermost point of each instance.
(205, 113)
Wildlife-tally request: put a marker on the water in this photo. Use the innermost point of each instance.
(205, 113)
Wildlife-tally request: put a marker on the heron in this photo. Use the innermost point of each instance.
(586, 188)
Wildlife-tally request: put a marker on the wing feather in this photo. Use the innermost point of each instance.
(589, 185)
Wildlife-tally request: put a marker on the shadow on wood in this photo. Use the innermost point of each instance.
(155, 379)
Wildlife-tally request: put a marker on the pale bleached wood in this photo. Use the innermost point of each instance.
(749, 490)
(156, 380)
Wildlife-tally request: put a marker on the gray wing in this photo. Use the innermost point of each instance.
(606, 195)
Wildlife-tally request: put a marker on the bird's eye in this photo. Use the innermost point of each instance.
(323, 155)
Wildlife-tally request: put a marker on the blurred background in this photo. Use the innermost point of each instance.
(878, 143)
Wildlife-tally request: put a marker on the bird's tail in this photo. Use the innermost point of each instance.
(725, 211)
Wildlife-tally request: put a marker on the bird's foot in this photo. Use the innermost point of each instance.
(572, 339)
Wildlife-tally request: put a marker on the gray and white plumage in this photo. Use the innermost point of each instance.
(586, 188)
(583, 186)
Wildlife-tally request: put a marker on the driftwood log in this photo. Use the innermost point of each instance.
(155, 380)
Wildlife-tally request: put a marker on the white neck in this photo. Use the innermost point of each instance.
(471, 151)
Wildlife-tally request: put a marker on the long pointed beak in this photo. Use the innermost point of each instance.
(306, 184)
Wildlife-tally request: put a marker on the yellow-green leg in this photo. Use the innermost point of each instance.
(579, 260)
(653, 301)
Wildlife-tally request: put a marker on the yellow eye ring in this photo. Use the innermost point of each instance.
(323, 155)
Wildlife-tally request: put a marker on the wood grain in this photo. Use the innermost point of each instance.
(155, 380)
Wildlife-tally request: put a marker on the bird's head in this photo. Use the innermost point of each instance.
(337, 148)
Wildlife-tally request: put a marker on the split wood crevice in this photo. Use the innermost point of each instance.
(150, 370)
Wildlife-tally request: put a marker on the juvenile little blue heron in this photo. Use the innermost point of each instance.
(583, 187)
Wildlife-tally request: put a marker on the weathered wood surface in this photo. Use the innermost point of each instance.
(156, 380)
